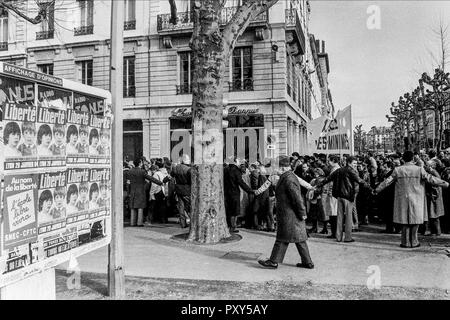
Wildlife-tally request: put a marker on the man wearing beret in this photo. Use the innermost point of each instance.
(291, 215)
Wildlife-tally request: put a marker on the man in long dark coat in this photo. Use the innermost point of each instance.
(232, 180)
(291, 215)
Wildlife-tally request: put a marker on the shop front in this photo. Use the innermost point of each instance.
(255, 132)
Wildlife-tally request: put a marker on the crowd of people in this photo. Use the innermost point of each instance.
(340, 194)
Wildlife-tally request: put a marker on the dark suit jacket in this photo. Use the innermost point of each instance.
(137, 177)
(182, 175)
(290, 209)
(232, 179)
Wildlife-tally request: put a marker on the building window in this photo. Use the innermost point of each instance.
(130, 15)
(3, 30)
(288, 74)
(129, 85)
(84, 72)
(48, 25)
(186, 73)
(46, 68)
(86, 18)
(242, 70)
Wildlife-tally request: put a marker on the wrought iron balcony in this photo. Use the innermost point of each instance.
(294, 26)
(184, 89)
(3, 46)
(185, 21)
(83, 30)
(41, 35)
(238, 85)
(129, 25)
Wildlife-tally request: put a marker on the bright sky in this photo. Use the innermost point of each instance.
(369, 69)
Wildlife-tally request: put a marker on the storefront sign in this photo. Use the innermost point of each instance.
(187, 112)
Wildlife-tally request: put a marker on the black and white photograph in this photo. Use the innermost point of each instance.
(232, 158)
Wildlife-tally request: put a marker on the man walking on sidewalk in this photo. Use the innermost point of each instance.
(291, 215)
(345, 181)
(410, 208)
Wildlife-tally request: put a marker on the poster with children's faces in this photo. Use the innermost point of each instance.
(99, 140)
(77, 137)
(77, 198)
(52, 205)
(19, 137)
(99, 193)
(50, 138)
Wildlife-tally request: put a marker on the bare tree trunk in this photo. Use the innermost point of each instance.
(439, 129)
(208, 224)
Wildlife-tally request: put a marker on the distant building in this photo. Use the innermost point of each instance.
(380, 139)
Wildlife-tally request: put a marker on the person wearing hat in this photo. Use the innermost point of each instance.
(410, 207)
(291, 215)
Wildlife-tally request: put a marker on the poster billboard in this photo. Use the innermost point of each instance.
(55, 171)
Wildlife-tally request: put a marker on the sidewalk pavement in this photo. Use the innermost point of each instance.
(150, 252)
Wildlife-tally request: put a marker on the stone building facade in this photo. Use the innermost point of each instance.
(270, 84)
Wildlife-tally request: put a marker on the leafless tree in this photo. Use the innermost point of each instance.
(211, 49)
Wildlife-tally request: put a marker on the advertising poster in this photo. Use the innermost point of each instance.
(99, 140)
(99, 200)
(87, 103)
(60, 242)
(49, 97)
(16, 91)
(19, 137)
(20, 221)
(52, 201)
(77, 137)
(77, 195)
(16, 259)
(51, 129)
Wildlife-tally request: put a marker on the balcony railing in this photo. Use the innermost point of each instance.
(185, 20)
(41, 35)
(293, 23)
(184, 89)
(83, 30)
(129, 25)
(3, 46)
(239, 85)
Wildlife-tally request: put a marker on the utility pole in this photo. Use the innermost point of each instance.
(116, 274)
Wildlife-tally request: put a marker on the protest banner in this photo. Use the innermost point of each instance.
(332, 136)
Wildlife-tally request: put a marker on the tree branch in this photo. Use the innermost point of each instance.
(249, 10)
(38, 19)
